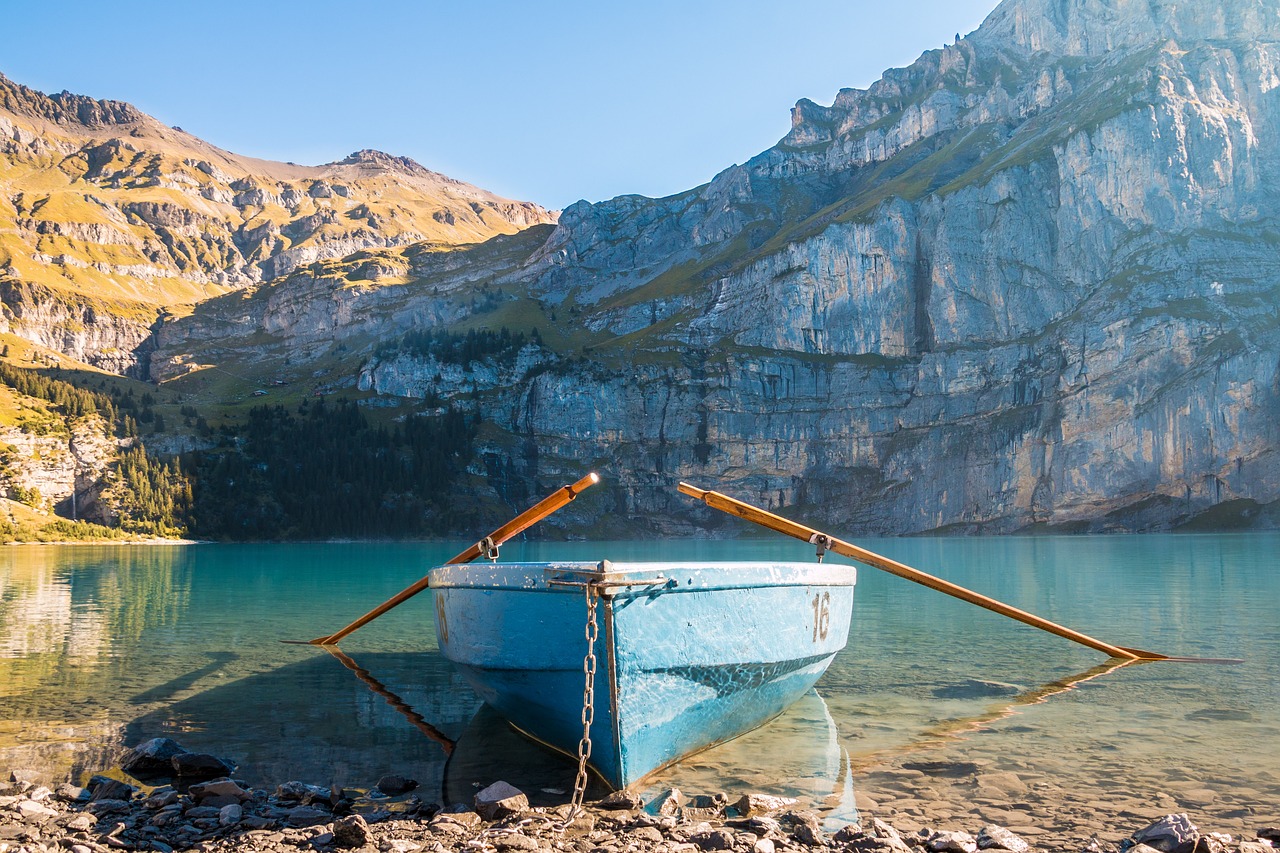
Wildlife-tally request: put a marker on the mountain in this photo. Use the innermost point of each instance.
(1028, 282)
(109, 219)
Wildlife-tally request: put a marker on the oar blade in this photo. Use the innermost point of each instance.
(1149, 656)
(764, 518)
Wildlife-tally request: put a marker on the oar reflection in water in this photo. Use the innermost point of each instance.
(942, 733)
(416, 719)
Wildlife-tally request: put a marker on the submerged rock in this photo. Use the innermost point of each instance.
(393, 785)
(151, 757)
(201, 765)
(103, 788)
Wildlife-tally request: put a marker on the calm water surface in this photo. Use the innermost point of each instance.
(102, 647)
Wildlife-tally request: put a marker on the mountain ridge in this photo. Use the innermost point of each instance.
(119, 219)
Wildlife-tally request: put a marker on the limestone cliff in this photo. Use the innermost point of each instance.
(59, 465)
(1028, 281)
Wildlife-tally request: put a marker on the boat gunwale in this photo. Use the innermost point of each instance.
(641, 578)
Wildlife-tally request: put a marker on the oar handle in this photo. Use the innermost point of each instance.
(521, 522)
(746, 511)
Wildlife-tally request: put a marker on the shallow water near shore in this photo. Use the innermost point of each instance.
(936, 711)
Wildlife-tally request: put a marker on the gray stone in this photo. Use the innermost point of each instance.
(107, 807)
(300, 816)
(105, 788)
(754, 804)
(393, 785)
(72, 793)
(201, 765)
(33, 812)
(716, 839)
(1256, 847)
(152, 756)
(620, 800)
(952, 842)
(456, 823)
(997, 837)
(198, 812)
(500, 800)
(709, 802)
(668, 802)
(765, 825)
(1173, 833)
(295, 791)
(230, 815)
(514, 841)
(218, 788)
(650, 834)
(351, 831)
(161, 798)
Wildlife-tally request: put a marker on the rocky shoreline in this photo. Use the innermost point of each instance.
(198, 806)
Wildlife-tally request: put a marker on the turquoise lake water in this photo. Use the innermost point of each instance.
(102, 647)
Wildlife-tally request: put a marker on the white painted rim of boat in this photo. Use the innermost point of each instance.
(641, 577)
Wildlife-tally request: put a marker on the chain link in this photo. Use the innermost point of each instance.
(588, 707)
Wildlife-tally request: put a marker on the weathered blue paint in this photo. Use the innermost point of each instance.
(689, 655)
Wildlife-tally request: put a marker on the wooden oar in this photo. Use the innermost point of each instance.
(724, 503)
(524, 520)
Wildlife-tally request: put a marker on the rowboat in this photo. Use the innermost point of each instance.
(685, 655)
(695, 653)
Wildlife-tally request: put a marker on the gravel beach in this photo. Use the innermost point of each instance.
(900, 815)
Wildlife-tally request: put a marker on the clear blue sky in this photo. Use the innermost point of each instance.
(548, 102)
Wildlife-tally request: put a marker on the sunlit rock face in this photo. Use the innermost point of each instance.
(109, 220)
(1029, 281)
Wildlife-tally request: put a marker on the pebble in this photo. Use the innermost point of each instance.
(500, 800)
(301, 816)
(224, 816)
(393, 785)
(1001, 838)
(351, 831)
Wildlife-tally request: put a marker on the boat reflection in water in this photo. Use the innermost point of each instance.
(797, 754)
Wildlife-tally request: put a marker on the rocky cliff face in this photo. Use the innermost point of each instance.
(118, 219)
(62, 466)
(1027, 282)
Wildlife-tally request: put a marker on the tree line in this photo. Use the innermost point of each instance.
(459, 348)
(324, 471)
(320, 471)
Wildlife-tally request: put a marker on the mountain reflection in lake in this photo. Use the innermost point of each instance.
(314, 721)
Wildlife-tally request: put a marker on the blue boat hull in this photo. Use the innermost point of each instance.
(688, 655)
